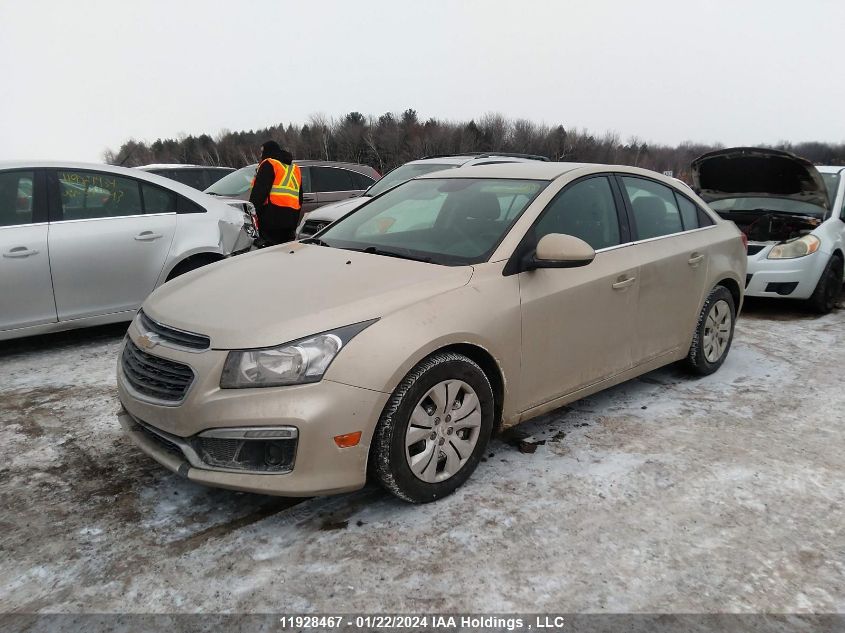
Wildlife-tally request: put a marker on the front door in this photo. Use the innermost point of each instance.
(577, 323)
(26, 289)
(106, 253)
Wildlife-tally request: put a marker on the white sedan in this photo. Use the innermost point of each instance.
(85, 244)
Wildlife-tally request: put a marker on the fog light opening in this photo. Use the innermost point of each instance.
(274, 455)
(348, 440)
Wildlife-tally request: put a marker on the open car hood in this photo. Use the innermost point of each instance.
(757, 172)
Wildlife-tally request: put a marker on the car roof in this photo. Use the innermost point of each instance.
(362, 169)
(180, 166)
(462, 159)
(534, 170)
(830, 169)
(537, 170)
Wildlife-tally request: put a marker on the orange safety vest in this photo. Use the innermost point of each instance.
(286, 183)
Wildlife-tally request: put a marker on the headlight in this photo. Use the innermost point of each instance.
(799, 247)
(294, 363)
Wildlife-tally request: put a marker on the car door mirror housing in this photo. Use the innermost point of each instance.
(557, 250)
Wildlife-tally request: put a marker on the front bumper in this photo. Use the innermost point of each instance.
(318, 411)
(804, 272)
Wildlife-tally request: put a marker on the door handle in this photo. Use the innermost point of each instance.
(695, 259)
(623, 283)
(147, 236)
(20, 251)
(309, 198)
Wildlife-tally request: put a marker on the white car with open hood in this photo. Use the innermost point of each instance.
(792, 213)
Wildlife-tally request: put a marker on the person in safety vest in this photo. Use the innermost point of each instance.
(277, 194)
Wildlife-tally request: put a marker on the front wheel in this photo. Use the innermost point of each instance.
(713, 333)
(434, 428)
(829, 287)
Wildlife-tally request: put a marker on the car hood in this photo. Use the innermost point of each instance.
(335, 210)
(280, 294)
(757, 172)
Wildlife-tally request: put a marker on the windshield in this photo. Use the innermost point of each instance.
(234, 184)
(450, 221)
(767, 205)
(403, 174)
(831, 181)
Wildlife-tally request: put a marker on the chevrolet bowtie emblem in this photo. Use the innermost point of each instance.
(147, 341)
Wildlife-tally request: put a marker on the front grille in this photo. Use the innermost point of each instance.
(154, 376)
(313, 226)
(267, 456)
(172, 335)
(753, 249)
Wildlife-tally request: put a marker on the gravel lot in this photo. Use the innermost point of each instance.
(665, 494)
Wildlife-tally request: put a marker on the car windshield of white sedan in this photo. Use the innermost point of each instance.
(403, 174)
(234, 184)
(449, 221)
(767, 205)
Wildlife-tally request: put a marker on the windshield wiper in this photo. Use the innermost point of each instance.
(314, 240)
(378, 251)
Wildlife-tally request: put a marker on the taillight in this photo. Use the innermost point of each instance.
(744, 239)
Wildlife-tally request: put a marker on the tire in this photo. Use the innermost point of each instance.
(712, 340)
(829, 287)
(444, 451)
(192, 263)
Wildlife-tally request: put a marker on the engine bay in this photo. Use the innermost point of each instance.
(772, 226)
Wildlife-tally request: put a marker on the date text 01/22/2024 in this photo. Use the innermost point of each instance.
(415, 622)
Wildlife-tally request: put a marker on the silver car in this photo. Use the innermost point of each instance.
(84, 244)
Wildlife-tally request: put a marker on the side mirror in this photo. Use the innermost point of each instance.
(557, 250)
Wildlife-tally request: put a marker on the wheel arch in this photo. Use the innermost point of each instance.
(491, 369)
(206, 257)
(732, 287)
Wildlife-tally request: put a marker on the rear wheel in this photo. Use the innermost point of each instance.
(713, 333)
(828, 289)
(434, 428)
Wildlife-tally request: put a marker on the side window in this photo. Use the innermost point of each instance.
(689, 212)
(654, 207)
(213, 175)
(191, 177)
(586, 210)
(86, 195)
(704, 219)
(360, 180)
(183, 205)
(331, 179)
(158, 200)
(306, 179)
(16, 193)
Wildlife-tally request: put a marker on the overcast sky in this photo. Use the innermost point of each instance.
(79, 77)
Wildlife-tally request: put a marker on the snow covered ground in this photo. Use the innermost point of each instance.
(663, 494)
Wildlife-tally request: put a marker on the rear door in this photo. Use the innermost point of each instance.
(576, 322)
(106, 253)
(672, 249)
(331, 184)
(26, 289)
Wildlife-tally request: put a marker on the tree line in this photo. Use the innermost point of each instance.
(389, 140)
